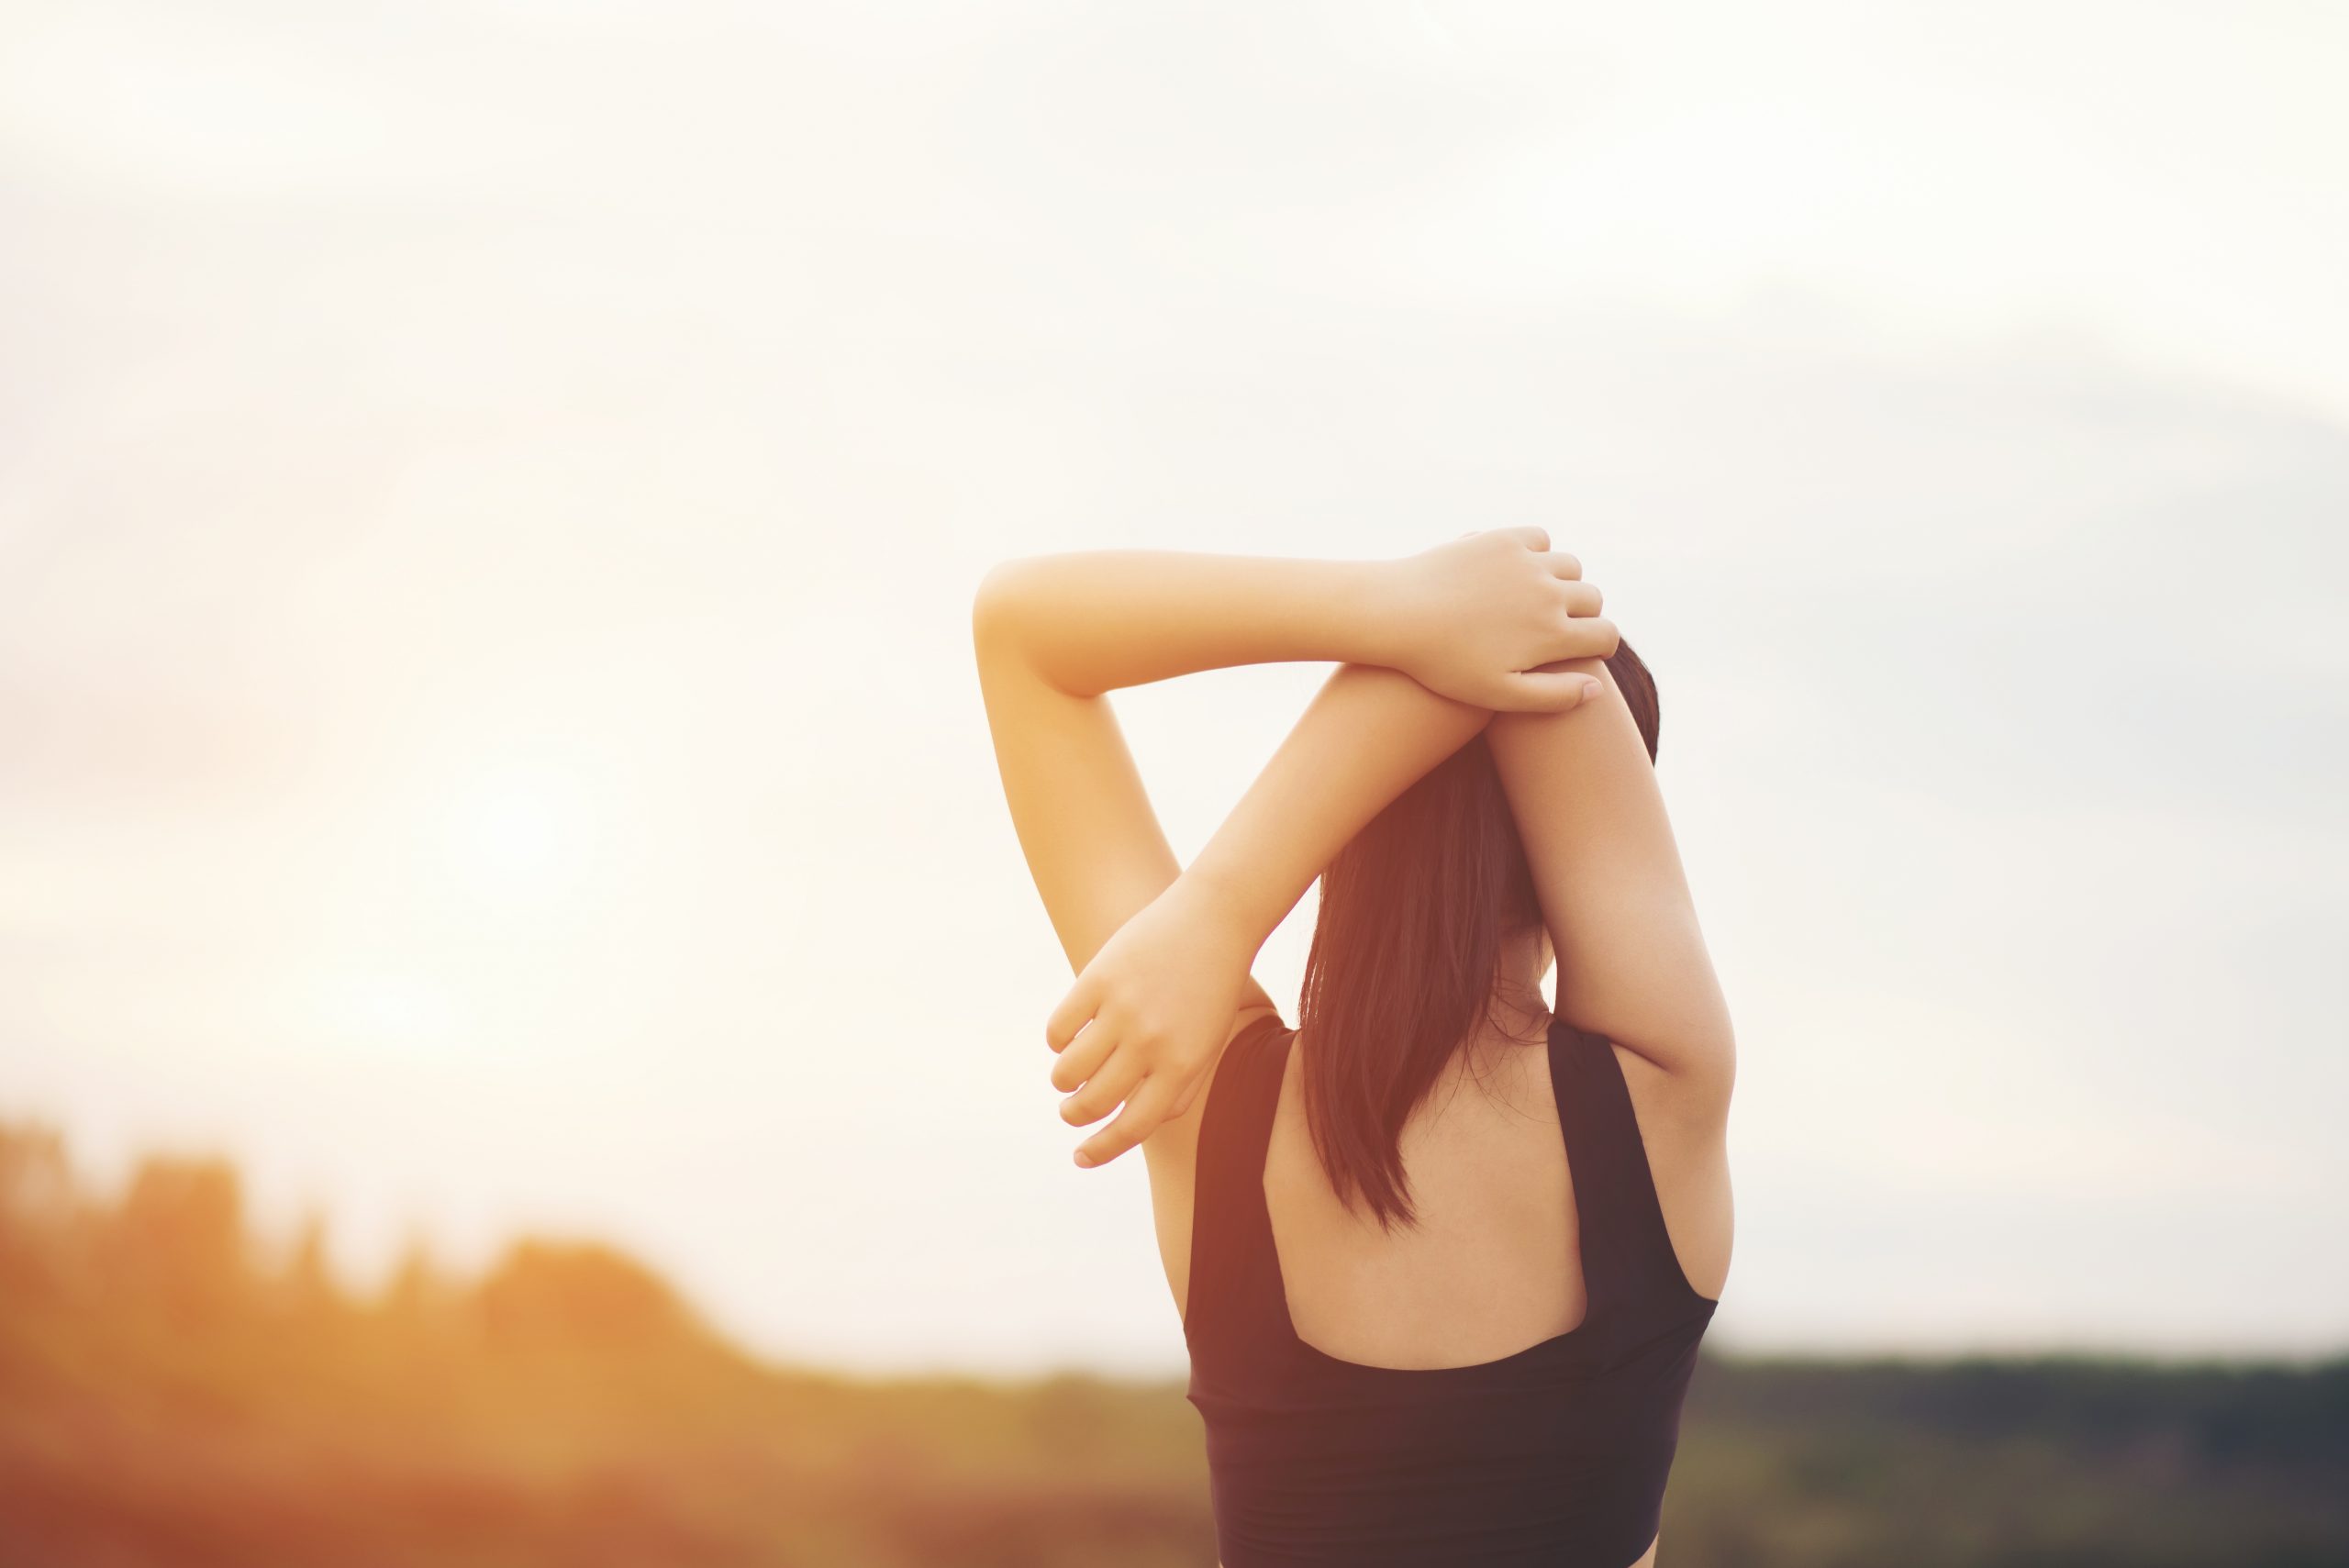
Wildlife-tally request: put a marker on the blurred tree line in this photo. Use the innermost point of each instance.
(172, 1393)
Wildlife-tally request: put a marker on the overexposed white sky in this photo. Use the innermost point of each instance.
(490, 493)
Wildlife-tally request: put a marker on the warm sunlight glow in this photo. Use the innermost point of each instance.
(395, 1012)
(522, 834)
(491, 736)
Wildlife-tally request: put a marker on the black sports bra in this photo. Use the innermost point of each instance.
(1555, 1456)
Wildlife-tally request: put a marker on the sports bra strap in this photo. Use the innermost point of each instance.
(1627, 1256)
(1235, 1270)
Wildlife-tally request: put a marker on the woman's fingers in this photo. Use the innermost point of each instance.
(1563, 565)
(1536, 691)
(1183, 1102)
(1104, 1090)
(1584, 637)
(1531, 538)
(1581, 598)
(1146, 1108)
(1075, 1010)
(1084, 1056)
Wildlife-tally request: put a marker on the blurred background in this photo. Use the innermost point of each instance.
(521, 1008)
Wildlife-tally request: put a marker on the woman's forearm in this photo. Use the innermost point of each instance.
(1369, 735)
(1094, 621)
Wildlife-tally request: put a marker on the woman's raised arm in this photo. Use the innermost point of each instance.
(1633, 964)
(1472, 620)
(1053, 634)
(1093, 622)
(1153, 997)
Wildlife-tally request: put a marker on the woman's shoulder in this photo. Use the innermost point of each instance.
(1171, 1152)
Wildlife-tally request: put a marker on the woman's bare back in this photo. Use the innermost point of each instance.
(1494, 1264)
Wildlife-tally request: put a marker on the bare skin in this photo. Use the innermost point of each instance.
(1494, 1264)
(1161, 953)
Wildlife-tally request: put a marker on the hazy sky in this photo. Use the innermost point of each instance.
(490, 495)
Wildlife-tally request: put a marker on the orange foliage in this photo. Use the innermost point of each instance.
(169, 1394)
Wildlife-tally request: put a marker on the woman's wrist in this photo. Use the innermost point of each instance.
(1231, 901)
(1388, 617)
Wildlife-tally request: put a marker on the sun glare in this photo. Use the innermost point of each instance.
(393, 1011)
(521, 834)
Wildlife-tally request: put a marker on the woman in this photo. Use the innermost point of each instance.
(1443, 1257)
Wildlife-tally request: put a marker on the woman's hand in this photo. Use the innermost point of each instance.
(1474, 620)
(1155, 1007)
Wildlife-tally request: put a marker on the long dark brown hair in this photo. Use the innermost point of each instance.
(1415, 913)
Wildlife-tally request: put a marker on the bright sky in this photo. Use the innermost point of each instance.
(490, 493)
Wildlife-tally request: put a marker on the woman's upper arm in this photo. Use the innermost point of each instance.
(1093, 842)
(1632, 960)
